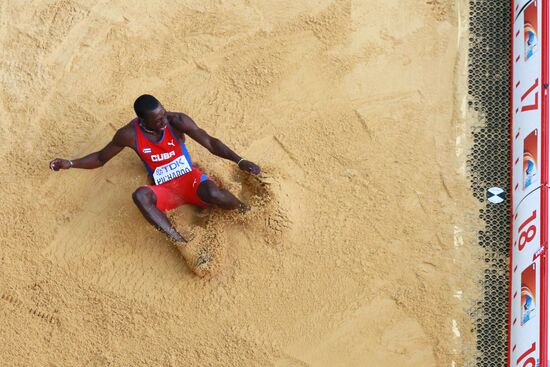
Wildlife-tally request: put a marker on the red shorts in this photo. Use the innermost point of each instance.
(179, 191)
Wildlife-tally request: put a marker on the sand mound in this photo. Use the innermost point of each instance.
(358, 244)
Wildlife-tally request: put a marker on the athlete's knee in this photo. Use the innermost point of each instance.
(223, 199)
(208, 192)
(144, 197)
(216, 194)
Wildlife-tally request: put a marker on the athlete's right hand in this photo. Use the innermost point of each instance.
(59, 163)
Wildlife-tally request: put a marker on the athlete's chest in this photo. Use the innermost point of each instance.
(158, 147)
(169, 136)
(164, 156)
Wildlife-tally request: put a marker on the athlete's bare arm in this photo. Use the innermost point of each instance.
(184, 124)
(122, 138)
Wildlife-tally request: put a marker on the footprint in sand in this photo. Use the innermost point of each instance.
(204, 253)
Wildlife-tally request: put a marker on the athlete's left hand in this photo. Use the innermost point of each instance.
(249, 167)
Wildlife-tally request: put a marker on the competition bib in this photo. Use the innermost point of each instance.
(178, 167)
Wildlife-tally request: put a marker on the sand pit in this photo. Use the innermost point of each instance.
(359, 247)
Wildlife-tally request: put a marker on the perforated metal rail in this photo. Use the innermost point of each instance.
(488, 87)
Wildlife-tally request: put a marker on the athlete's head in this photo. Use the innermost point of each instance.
(151, 112)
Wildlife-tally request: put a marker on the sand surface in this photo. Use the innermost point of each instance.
(359, 247)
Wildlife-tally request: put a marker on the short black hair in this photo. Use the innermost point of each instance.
(145, 103)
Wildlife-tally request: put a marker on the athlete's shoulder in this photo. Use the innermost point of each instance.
(180, 121)
(126, 135)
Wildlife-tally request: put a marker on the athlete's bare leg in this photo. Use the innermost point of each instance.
(210, 193)
(146, 201)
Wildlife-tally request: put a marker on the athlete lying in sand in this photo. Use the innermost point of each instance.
(158, 137)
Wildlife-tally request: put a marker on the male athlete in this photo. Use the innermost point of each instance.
(158, 138)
